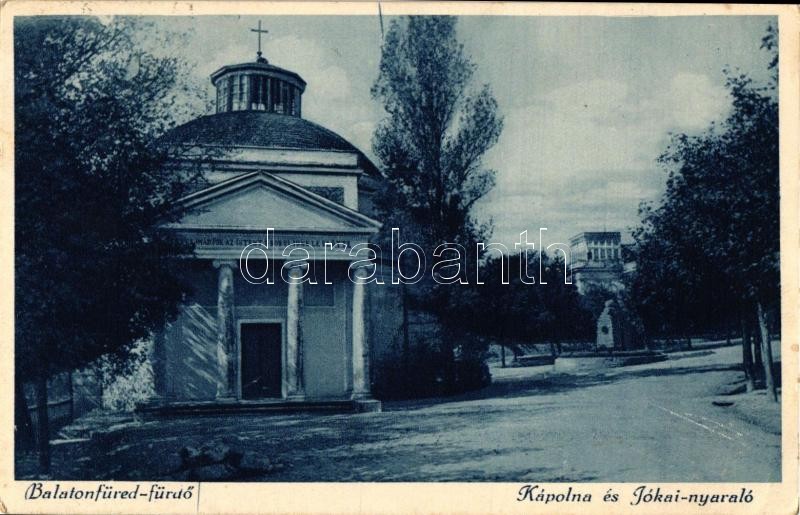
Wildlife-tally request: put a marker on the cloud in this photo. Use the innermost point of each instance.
(697, 100)
(588, 101)
(334, 84)
(313, 62)
(583, 156)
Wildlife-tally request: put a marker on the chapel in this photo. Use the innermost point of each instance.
(273, 180)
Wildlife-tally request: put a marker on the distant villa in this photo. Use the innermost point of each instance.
(599, 259)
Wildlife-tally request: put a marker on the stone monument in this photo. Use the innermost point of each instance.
(609, 333)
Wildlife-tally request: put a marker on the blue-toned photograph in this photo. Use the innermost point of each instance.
(382, 248)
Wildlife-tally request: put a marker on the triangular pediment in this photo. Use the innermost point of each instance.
(259, 200)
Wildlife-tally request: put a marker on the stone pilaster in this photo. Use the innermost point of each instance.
(358, 337)
(226, 331)
(295, 387)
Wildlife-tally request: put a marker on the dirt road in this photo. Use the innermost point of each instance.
(646, 423)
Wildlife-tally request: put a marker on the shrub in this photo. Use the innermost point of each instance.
(426, 373)
(129, 384)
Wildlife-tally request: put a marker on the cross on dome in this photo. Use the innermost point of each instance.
(259, 31)
(258, 86)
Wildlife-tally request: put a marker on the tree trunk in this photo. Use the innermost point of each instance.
(23, 428)
(449, 365)
(758, 362)
(71, 387)
(503, 355)
(406, 344)
(769, 378)
(747, 357)
(43, 425)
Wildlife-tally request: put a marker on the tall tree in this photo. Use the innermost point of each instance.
(430, 147)
(92, 269)
(432, 142)
(717, 228)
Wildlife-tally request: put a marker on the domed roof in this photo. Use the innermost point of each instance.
(258, 129)
(261, 66)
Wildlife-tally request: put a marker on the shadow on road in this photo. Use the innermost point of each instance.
(556, 383)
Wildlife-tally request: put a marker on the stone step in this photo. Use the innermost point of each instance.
(267, 406)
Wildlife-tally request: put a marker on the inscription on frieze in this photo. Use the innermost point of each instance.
(271, 240)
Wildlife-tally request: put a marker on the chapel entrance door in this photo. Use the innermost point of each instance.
(261, 360)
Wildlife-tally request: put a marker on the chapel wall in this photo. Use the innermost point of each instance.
(191, 371)
(327, 333)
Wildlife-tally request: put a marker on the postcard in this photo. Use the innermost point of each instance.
(387, 257)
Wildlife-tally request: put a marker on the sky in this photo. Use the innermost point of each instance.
(588, 102)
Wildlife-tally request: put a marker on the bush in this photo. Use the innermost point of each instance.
(426, 374)
(129, 384)
(471, 374)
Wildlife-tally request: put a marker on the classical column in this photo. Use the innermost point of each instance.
(295, 389)
(360, 380)
(226, 331)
